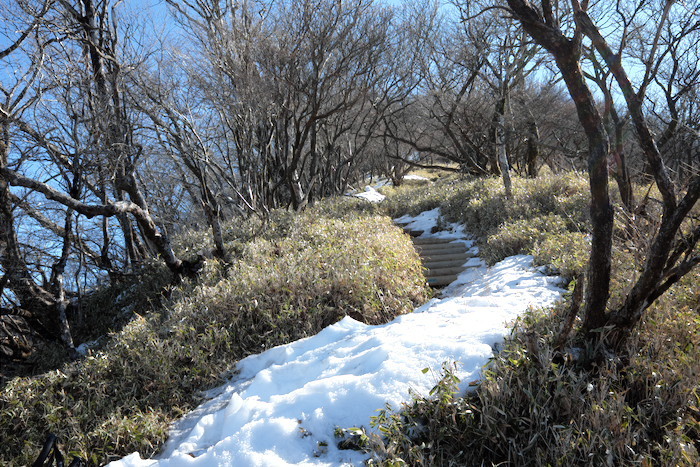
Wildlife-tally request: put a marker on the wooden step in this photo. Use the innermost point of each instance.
(431, 240)
(433, 257)
(455, 270)
(444, 255)
(444, 264)
(442, 247)
(443, 258)
(413, 233)
(441, 281)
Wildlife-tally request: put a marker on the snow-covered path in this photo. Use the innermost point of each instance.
(284, 404)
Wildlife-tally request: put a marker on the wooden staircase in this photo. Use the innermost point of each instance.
(443, 258)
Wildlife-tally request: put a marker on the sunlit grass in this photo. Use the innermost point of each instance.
(540, 405)
(289, 276)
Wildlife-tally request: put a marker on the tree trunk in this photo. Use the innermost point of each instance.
(496, 138)
(622, 178)
(657, 264)
(542, 27)
(660, 264)
(533, 150)
(599, 264)
(39, 304)
(502, 156)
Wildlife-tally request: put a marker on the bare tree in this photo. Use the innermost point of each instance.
(178, 133)
(671, 254)
(69, 143)
(42, 306)
(296, 85)
(508, 61)
(465, 109)
(442, 115)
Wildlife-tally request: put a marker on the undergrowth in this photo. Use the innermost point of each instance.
(537, 403)
(288, 277)
(552, 206)
(537, 406)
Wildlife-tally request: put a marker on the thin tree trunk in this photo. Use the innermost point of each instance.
(496, 127)
(57, 278)
(543, 28)
(533, 150)
(502, 156)
(674, 212)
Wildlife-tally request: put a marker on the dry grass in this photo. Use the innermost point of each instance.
(290, 276)
(537, 405)
(542, 209)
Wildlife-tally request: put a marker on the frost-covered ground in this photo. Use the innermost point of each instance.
(283, 405)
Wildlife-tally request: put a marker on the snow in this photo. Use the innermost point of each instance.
(371, 195)
(416, 177)
(283, 405)
(85, 348)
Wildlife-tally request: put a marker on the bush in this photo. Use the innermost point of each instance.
(292, 275)
(413, 199)
(555, 206)
(521, 236)
(481, 204)
(537, 406)
(541, 405)
(566, 252)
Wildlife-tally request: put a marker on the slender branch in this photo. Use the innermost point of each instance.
(654, 47)
(26, 32)
(634, 104)
(88, 210)
(47, 223)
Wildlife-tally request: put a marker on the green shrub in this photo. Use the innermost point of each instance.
(539, 208)
(482, 206)
(567, 252)
(413, 199)
(540, 405)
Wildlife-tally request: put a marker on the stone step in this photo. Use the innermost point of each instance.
(456, 250)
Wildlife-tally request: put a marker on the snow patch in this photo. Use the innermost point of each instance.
(371, 195)
(416, 177)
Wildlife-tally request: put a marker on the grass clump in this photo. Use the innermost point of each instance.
(541, 211)
(521, 235)
(288, 277)
(414, 199)
(566, 252)
(539, 406)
